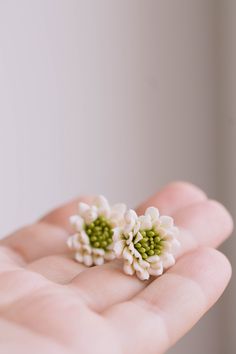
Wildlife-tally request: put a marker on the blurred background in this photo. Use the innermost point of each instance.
(119, 97)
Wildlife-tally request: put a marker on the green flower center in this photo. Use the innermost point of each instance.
(150, 245)
(100, 233)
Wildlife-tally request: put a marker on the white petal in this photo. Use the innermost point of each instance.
(119, 208)
(79, 225)
(116, 234)
(127, 255)
(175, 245)
(138, 238)
(166, 246)
(128, 228)
(146, 222)
(137, 266)
(128, 268)
(109, 256)
(156, 225)
(70, 241)
(83, 208)
(143, 263)
(136, 227)
(169, 237)
(131, 248)
(153, 212)
(98, 260)
(161, 232)
(168, 260)
(88, 260)
(116, 220)
(79, 257)
(118, 211)
(87, 248)
(99, 251)
(156, 271)
(73, 242)
(83, 237)
(137, 254)
(143, 275)
(91, 215)
(157, 265)
(130, 238)
(101, 202)
(153, 259)
(77, 222)
(102, 205)
(174, 231)
(119, 247)
(166, 221)
(130, 218)
(73, 219)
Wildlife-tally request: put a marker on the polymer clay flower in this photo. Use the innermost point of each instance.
(94, 227)
(147, 243)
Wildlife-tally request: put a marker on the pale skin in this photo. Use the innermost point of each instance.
(51, 304)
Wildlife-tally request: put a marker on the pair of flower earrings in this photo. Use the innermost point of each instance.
(146, 243)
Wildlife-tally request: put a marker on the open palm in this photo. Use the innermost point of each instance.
(51, 304)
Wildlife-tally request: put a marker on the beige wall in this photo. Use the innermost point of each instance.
(226, 155)
(113, 97)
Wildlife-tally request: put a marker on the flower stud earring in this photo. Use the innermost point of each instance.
(146, 243)
(94, 227)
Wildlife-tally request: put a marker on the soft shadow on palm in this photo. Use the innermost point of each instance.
(49, 303)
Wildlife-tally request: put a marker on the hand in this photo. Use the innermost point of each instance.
(51, 304)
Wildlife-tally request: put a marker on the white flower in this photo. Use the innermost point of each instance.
(147, 243)
(94, 227)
